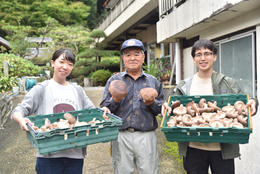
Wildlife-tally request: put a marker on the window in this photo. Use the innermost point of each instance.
(151, 51)
(236, 59)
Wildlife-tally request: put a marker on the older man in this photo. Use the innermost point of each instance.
(137, 141)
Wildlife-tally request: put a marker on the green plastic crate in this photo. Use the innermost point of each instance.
(208, 134)
(54, 140)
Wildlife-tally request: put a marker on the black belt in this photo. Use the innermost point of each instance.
(130, 129)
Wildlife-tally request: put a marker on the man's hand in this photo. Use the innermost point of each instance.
(106, 110)
(252, 105)
(148, 94)
(118, 90)
(165, 107)
(148, 103)
(118, 98)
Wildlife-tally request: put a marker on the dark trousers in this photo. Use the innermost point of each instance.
(59, 166)
(198, 162)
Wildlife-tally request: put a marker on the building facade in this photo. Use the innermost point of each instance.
(233, 25)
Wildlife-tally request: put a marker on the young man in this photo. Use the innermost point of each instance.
(199, 156)
(137, 141)
(55, 96)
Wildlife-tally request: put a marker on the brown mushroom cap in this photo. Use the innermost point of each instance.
(70, 118)
(175, 104)
(239, 106)
(35, 128)
(148, 94)
(118, 88)
(202, 110)
(192, 104)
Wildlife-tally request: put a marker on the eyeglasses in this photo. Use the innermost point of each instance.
(206, 55)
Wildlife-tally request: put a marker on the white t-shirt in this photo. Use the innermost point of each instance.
(64, 101)
(202, 87)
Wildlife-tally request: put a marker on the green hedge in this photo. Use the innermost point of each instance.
(7, 83)
(100, 77)
(19, 66)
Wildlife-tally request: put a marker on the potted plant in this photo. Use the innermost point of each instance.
(165, 69)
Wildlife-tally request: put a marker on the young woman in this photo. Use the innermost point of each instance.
(54, 96)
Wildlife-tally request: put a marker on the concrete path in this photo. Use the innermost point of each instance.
(17, 155)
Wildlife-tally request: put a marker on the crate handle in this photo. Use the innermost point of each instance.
(249, 114)
(165, 113)
(111, 114)
(30, 127)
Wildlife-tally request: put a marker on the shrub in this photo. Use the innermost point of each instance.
(19, 66)
(7, 83)
(87, 66)
(43, 68)
(100, 77)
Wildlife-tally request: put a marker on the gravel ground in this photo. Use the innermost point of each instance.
(18, 156)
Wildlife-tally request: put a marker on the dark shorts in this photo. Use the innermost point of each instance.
(59, 166)
(198, 162)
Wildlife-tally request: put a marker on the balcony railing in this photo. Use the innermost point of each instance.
(167, 6)
(113, 13)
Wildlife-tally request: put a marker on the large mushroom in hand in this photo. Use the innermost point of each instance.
(118, 90)
(71, 119)
(149, 95)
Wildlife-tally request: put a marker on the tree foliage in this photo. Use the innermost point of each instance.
(34, 13)
(72, 37)
(96, 49)
(17, 37)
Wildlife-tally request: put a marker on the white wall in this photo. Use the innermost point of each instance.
(244, 21)
(250, 158)
(189, 66)
(191, 17)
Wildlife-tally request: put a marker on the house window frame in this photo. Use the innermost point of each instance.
(251, 33)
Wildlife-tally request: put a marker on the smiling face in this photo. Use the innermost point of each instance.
(204, 59)
(133, 59)
(62, 68)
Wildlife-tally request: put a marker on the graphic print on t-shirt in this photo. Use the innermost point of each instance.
(63, 105)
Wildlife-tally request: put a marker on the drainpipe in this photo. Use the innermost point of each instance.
(178, 61)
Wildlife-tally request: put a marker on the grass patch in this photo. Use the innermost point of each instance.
(172, 148)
